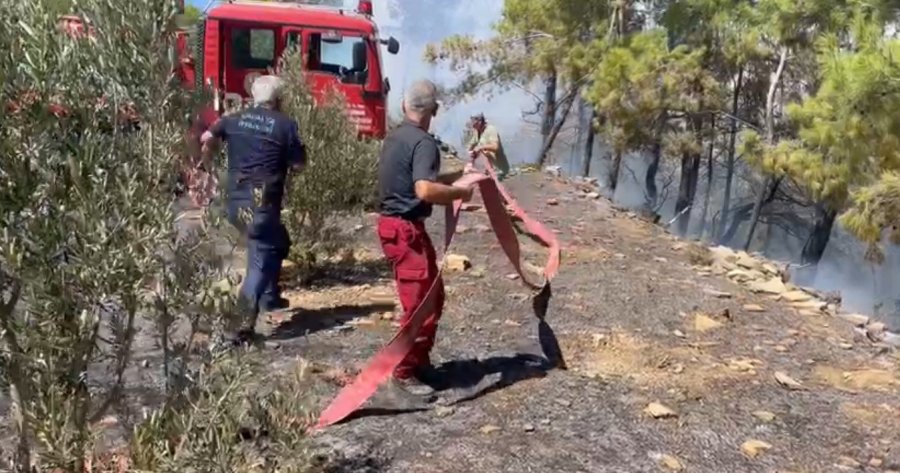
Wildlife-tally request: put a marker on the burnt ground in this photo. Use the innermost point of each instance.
(637, 325)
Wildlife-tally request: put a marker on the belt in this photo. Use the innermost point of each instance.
(382, 365)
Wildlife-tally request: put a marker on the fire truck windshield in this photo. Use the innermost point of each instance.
(345, 57)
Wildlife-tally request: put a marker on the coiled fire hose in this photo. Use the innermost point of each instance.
(496, 202)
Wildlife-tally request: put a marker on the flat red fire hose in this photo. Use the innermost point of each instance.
(382, 365)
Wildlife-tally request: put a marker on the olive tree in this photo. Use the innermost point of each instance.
(91, 127)
(339, 177)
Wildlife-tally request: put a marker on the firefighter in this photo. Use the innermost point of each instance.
(486, 140)
(408, 188)
(264, 147)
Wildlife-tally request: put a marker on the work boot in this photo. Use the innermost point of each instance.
(274, 305)
(412, 392)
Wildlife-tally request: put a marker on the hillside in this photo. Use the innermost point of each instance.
(672, 365)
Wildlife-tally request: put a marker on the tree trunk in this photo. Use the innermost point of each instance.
(549, 117)
(554, 131)
(766, 195)
(650, 176)
(729, 162)
(709, 181)
(770, 140)
(818, 239)
(614, 172)
(589, 145)
(687, 189)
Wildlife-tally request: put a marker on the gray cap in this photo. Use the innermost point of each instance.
(266, 89)
(421, 97)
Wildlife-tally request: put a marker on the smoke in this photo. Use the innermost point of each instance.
(416, 23)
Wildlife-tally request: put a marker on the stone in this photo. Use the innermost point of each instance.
(855, 319)
(812, 304)
(748, 262)
(770, 286)
(528, 427)
(787, 382)
(555, 171)
(455, 262)
(876, 328)
(671, 463)
(764, 416)
(705, 323)
(717, 294)
(108, 421)
(679, 334)
(592, 195)
(796, 296)
(445, 411)
(744, 275)
(754, 308)
(489, 429)
(848, 462)
(659, 411)
(753, 448)
(552, 202)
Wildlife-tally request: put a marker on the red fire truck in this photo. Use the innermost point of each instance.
(240, 40)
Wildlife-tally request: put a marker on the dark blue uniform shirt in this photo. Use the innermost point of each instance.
(262, 144)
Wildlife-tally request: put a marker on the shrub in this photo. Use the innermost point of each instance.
(339, 179)
(89, 250)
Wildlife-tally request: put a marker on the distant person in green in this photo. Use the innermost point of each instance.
(486, 140)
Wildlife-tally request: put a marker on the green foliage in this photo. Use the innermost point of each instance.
(190, 16)
(534, 38)
(876, 208)
(231, 421)
(640, 80)
(339, 178)
(85, 206)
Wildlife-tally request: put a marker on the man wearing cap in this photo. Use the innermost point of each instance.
(486, 140)
(263, 147)
(408, 186)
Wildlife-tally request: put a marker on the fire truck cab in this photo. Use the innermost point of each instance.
(240, 40)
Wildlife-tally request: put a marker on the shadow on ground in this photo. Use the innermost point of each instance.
(342, 273)
(303, 322)
(466, 380)
(474, 378)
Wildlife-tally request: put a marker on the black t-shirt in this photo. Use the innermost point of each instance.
(262, 143)
(409, 154)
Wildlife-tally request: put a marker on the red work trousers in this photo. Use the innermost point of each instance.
(408, 247)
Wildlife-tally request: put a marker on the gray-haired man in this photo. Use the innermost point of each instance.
(408, 187)
(263, 146)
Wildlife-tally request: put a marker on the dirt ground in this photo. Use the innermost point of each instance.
(663, 373)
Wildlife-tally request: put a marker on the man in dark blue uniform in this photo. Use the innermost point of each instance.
(264, 146)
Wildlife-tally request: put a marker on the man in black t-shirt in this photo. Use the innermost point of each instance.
(408, 188)
(263, 147)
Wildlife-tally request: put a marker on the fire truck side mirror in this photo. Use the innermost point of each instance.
(387, 85)
(393, 46)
